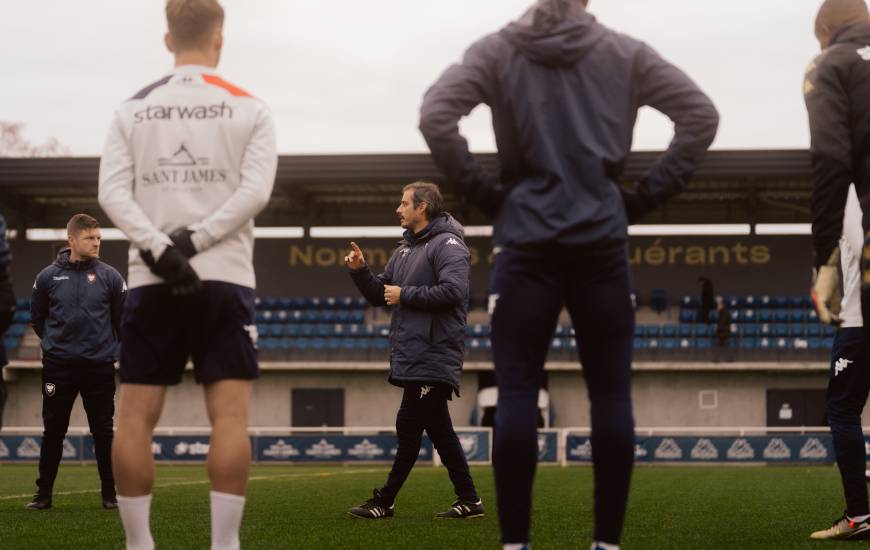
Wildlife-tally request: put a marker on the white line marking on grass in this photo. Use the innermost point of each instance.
(205, 482)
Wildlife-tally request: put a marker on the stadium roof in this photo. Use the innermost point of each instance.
(762, 186)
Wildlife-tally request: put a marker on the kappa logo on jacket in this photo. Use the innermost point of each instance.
(57, 278)
(841, 365)
(452, 240)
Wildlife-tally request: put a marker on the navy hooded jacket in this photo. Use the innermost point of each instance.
(76, 310)
(427, 328)
(564, 92)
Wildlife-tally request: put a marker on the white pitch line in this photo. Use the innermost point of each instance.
(205, 481)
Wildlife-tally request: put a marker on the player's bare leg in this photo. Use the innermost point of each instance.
(139, 410)
(229, 458)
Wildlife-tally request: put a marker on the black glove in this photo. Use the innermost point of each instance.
(181, 240)
(173, 267)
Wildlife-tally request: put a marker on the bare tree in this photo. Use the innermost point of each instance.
(13, 143)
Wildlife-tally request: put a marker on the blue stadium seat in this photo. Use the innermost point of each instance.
(748, 343)
(669, 331)
(686, 343)
(669, 343)
(796, 301)
(703, 343)
(308, 330)
(765, 329)
(780, 330)
(652, 343)
(828, 343)
(798, 316)
(765, 343)
(687, 316)
(748, 316)
(784, 343)
(658, 300)
(733, 302)
(765, 316)
(812, 316)
(714, 316)
(764, 301)
(749, 330)
(325, 331)
(653, 331)
(829, 330)
(735, 316)
(639, 343)
(357, 317)
(750, 302)
(781, 316)
(814, 330)
(685, 331)
(639, 331)
(780, 302)
(814, 343)
(797, 331)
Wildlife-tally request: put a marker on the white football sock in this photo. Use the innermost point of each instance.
(858, 519)
(516, 546)
(226, 518)
(604, 546)
(135, 516)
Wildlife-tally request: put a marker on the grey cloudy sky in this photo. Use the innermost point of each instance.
(348, 75)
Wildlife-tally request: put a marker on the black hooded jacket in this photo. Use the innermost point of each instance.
(427, 328)
(76, 311)
(564, 92)
(837, 94)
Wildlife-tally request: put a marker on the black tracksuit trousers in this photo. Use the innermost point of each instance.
(60, 386)
(424, 407)
(528, 293)
(848, 386)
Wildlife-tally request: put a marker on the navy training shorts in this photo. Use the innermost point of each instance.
(215, 327)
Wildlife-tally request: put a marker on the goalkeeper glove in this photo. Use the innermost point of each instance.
(826, 290)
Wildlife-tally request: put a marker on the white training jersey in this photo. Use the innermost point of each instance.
(851, 244)
(190, 150)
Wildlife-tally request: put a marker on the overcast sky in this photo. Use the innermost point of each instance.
(348, 75)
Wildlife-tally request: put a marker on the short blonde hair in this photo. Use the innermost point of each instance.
(191, 22)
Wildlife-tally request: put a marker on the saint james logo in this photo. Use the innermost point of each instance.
(49, 389)
(92, 278)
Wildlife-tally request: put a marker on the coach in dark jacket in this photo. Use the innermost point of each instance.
(426, 284)
(76, 311)
(564, 92)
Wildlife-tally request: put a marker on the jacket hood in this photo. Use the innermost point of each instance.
(555, 32)
(62, 261)
(445, 223)
(856, 32)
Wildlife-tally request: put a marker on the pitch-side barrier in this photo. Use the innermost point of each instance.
(560, 446)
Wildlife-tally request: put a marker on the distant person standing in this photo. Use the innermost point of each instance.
(7, 308)
(708, 299)
(76, 311)
(723, 331)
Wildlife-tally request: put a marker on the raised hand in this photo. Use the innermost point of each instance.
(355, 260)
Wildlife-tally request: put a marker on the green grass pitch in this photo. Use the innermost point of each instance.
(304, 507)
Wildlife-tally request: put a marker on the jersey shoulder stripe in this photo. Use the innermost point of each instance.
(143, 93)
(221, 83)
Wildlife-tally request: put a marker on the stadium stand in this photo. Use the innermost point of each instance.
(330, 327)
